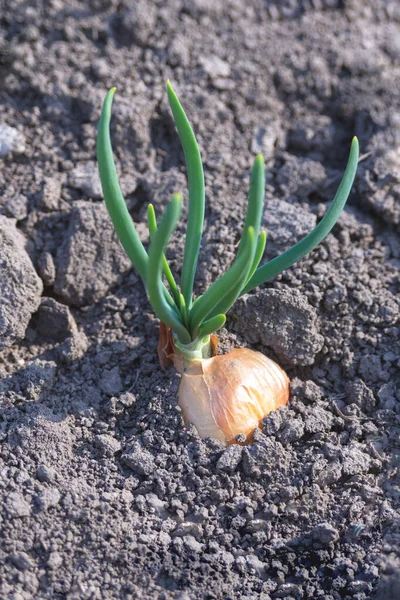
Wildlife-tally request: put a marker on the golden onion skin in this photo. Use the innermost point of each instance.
(231, 393)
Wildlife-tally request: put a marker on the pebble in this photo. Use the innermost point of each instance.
(85, 177)
(12, 141)
(230, 459)
(17, 506)
(48, 498)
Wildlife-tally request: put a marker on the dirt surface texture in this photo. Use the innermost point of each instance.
(103, 492)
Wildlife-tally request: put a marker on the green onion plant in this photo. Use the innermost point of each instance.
(193, 319)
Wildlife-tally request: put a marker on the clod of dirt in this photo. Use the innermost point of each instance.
(54, 320)
(50, 196)
(73, 348)
(16, 207)
(286, 224)
(85, 177)
(90, 260)
(33, 381)
(282, 320)
(12, 141)
(300, 177)
(20, 286)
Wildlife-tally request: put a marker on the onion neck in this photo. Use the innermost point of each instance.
(198, 349)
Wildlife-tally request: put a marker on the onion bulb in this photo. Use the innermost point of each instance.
(227, 394)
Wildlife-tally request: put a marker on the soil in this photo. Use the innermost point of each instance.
(104, 493)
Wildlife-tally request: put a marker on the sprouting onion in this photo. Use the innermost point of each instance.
(222, 395)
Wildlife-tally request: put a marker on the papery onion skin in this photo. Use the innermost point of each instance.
(230, 394)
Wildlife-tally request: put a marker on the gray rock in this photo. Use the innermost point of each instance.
(12, 141)
(54, 320)
(282, 320)
(215, 66)
(22, 561)
(286, 224)
(357, 392)
(324, 534)
(47, 269)
(34, 381)
(312, 133)
(91, 259)
(292, 431)
(55, 560)
(48, 498)
(17, 207)
(230, 459)
(139, 460)
(45, 474)
(137, 24)
(110, 382)
(185, 529)
(20, 286)
(85, 177)
(73, 348)
(300, 176)
(50, 197)
(17, 506)
(267, 138)
(107, 444)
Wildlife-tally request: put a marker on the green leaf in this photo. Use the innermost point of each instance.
(152, 225)
(299, 250)
(226, 289)
(212, 325)
(113, 197)
(154, 270)
(195, 177)
(183, 310)
(255, 203)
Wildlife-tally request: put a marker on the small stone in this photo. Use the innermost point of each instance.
(215, 66)
(48, 498)
(45, 474)
(17, 207)
(324, 534)
(90, 259)
(22, 561)
(127, 399)
(73, 348)
(386, 395)
(47, 269)
(186, 529)
(230, 459)
(110, 382)
(292, 431)
(54, 320)
(266, 140)
(191, 544)
(287, 224)
(55, 560)
(107, 444)
(17, 506)
(85, 177)
(139, 460)
(50, 197)
(357, 392)
(101, 68)
(20, 286)
(11, 141)
(283, 320)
